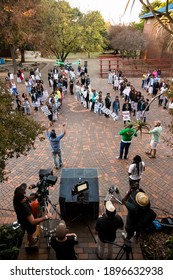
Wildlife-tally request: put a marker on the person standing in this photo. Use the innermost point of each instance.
(135, 170)
(127, 133)
(155, 138)
(139, 215)
(116, 105)
(108, 103)
(106, 227)
(24, 214)
(126, 111)
(55, 145)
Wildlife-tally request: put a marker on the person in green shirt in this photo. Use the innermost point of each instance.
(127, 133)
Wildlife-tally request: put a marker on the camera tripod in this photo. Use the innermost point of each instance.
(125, 249)
(113, 194)
(49, 226)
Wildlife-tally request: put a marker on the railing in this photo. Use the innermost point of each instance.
(134, 67)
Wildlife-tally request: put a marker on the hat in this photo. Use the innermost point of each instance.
(158, 123)
(109, 206)
(20, 191)
(142, 199)
(61, 230)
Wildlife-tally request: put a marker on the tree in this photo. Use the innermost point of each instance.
(94, 32)
(18, 132)
(17, 24)
(67, 30)
(127, 39)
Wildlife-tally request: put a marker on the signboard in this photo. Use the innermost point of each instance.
(46, 111)
(126, 115)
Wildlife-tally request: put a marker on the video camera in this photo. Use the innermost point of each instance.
(47, 179)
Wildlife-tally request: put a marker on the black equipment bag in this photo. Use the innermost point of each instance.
(167, 221)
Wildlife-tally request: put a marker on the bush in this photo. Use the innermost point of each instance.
(11, 239)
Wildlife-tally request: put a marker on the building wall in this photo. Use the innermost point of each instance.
(154, 49)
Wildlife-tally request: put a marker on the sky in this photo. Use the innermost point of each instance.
(111, 10)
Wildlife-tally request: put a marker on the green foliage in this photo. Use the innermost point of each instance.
(139, 126)
(67, 30)
(11, 240)
(155, 5)
(138, 25)
(18, 132)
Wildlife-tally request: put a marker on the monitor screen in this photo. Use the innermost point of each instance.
(82, 187)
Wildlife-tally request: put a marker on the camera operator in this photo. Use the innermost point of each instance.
(139, 215)
(24, 213)
(106, 227)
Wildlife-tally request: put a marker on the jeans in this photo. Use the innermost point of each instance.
(54, 154)
(124, 147)
(116, 111)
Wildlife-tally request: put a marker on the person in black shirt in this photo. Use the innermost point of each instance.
(24, 213)
(139, 215)
(106, 227)
(63, 243)
(108, 103)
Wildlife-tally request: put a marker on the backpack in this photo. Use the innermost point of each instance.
(146, 219)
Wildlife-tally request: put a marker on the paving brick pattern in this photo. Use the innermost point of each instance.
(92, 141)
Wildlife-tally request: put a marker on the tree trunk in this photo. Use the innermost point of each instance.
(13, 55)
(22, 53)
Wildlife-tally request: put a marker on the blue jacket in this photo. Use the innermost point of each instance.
(55, 142)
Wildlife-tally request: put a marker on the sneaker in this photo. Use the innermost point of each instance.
(56, 167)
(147, 153)
(60, 165)
(151, 156)
(118, 158)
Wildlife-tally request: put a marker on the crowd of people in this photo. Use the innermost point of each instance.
(125, 103)
(127, 99)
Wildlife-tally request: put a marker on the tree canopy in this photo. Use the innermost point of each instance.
(127, 39)
(18, 132)
(49, 26)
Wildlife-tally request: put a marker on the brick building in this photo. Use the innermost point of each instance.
(156, 44)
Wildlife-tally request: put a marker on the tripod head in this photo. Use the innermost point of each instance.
(113, 193)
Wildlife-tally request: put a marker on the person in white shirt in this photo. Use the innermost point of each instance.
(135, 171)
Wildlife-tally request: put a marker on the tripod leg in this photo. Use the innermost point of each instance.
(122, 249)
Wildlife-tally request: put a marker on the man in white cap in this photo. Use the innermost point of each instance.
(139, 215)
(106, 227)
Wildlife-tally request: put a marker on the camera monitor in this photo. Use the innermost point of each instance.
(80, 187)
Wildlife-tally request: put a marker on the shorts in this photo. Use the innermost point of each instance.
(153, 145)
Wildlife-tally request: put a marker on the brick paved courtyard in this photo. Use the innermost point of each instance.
(92, 141)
